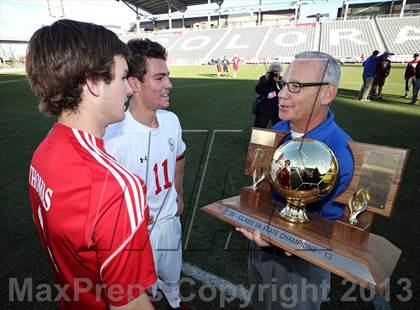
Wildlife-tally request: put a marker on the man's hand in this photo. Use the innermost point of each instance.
(253, 236)
(256, 237)
(151, 220)
(180, 204)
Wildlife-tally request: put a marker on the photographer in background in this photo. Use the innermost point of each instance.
(267, 90)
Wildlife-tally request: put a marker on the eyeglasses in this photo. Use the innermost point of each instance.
(295, 87)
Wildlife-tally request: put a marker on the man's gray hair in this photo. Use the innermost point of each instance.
(333, 72)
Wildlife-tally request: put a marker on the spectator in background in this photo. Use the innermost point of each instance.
(225, 65)
(369, 68)
(410, 73)
(268, 89)
(218, 66)
(416, 88)
(383, 68)
(235, 62)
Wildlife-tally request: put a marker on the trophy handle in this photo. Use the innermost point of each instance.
(357, 204)
(258, 176)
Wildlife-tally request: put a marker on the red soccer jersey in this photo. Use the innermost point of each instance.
(235, 62)
(91, 216)
(410, 70)
(383, 67)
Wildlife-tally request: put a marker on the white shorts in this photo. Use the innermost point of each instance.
(166, 242)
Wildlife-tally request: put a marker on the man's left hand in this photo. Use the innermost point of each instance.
(180, 204)
(253, 236)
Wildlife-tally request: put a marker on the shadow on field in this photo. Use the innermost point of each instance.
(208, 74)
(386, 98)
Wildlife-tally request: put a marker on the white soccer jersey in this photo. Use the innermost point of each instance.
(151, 153)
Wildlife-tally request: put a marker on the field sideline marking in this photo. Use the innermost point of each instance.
(221, 284)
(12, 81)
(241, 293)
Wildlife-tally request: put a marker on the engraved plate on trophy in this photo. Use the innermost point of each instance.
(377, 174)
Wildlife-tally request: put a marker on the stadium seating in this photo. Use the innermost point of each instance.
(349, 38)
(288, 41)
(196, 45)
(243, 42)
(344, 39)
(400, 35)
(166, 39)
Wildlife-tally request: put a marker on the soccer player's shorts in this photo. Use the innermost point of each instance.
(166, 242)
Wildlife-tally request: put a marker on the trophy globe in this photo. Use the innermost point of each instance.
(302, 171)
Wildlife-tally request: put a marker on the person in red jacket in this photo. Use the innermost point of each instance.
(410, 73)
(235, 62)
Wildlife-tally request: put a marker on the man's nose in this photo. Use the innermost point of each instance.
(168, 83)
(284, 92)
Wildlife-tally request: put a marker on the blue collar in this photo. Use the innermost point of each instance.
(322, 132)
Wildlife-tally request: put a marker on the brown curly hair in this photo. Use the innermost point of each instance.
(140, 51)
(60, 57)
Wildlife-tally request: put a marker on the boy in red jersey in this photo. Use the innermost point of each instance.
(90, 212)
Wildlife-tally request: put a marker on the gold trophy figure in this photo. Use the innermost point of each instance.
(257, 177)
(357, 204)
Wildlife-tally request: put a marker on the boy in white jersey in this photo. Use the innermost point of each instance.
(149, 143)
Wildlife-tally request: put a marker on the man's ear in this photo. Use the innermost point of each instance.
(134, 83)
(329, 93)
(94, 86)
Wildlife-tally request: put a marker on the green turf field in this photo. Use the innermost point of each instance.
(215, 114)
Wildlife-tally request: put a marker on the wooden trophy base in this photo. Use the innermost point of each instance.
(353, 234)
(365, 259)
(259, 200)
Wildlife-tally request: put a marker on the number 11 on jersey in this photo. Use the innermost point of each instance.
(167, 184)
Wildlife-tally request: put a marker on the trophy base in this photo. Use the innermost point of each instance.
(256, 199)
(294, 214)
(352, 234)
(369, 264)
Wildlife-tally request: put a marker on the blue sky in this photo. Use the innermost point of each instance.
(20, 18)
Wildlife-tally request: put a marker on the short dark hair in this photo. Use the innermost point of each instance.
(375, 52)
(60, 57)
(139, 51)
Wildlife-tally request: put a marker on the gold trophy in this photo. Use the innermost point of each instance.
(302, 171)
(357, 204)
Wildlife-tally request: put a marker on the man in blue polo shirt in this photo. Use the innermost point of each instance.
(304, 108)
(369, 68)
